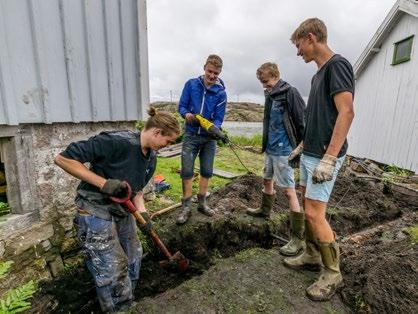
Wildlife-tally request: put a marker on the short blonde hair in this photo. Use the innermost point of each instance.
(215, 60)
(312, 25)
(269, 68)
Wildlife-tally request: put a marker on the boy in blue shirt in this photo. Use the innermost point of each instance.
(283, 126)
(204, 95)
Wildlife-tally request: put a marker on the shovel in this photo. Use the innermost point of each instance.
(176, 260)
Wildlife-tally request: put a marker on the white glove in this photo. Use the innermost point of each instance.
(325, 169)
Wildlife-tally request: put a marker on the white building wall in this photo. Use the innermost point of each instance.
(72, 61)
(385, 126)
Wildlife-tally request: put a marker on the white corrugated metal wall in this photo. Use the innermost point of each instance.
(72, 60)
(385, 127)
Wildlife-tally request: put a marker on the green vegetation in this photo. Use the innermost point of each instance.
(4, 268)
(413, 233)
(397, 171)
(4, 209)
(15, 300)
(255, 141)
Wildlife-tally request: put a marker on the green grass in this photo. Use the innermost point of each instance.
(413, 233)
(397, 171)
(255, 141)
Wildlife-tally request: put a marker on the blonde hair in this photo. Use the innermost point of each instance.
(162, 120)
(269, 68)
(312, 25)
(215, 60)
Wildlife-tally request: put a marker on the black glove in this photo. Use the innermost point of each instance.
(145, 228)
(195, 122)
(295, 162)
(116, 188)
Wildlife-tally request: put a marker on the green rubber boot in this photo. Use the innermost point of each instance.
(266, 205)
(297, 239)
(330, 277)
(310, 258)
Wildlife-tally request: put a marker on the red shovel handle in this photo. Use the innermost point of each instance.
(126, 202)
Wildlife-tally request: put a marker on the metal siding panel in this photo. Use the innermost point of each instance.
(142, 58)
(22, 62)
(72, 17)
(130, 44)
(72, 60)
(52, 71)
(7, 93)
(97, 65)
(114, 60)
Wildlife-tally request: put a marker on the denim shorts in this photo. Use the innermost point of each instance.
(320, 191)
(194, 145)
(277, 167)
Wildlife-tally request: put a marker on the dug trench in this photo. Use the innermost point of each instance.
(235, 266)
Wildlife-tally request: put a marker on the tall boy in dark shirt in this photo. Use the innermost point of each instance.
(328, 119)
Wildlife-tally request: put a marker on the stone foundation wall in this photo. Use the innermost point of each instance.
(42, 242)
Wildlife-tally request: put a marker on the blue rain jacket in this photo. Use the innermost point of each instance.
(209, 102)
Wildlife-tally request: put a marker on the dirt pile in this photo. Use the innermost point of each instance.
(235, 266)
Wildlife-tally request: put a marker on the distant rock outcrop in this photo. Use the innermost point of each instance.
(235, 111)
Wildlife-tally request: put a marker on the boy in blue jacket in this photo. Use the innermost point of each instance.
(204, 95)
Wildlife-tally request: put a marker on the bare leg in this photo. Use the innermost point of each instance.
(315, 216)
(268, 186)
(203, 185)
(292, 199)
(187, 187)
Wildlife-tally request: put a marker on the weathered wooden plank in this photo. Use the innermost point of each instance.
(225, 174)
(171, 151)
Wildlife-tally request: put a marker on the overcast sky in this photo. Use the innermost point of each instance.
(247, 33)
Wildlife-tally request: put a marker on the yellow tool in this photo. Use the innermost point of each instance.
(213, 130)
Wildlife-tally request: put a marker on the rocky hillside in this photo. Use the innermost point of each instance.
(235, 111)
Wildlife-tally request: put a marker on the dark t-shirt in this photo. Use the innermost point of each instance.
(112, 155)
(334, 77)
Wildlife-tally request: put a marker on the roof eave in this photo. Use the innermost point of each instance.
(398, 10)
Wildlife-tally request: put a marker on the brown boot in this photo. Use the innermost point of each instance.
(330, 278)
(297, 240)
(186, 211)
(266, 205)
(310, 258)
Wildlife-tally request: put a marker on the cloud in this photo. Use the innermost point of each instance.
(246, 34)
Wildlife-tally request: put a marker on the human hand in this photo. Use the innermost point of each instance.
(294, 156)
(116, 188)
(189, 117)
(325, 169)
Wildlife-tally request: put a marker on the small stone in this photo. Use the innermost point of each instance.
(46, 245)
(56, 266)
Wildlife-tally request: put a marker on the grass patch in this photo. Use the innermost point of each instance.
(413, 233)
(255, 141)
